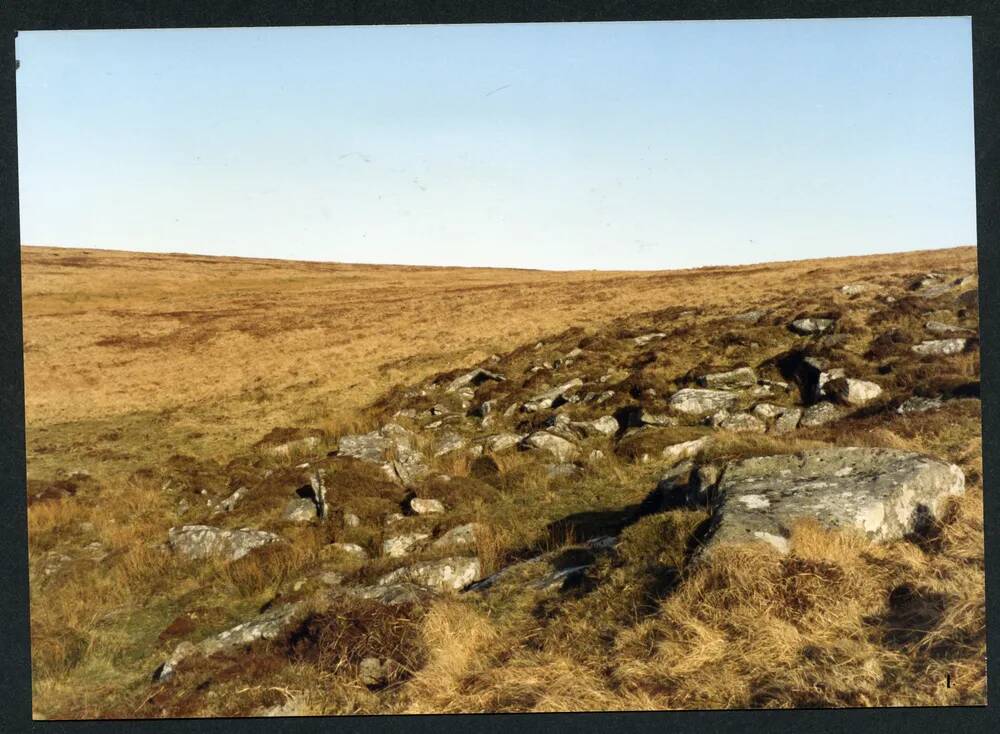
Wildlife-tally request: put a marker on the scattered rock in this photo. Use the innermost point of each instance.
(563, 471)
(401, 545)
(657, 419)
(501, 441)
(685, 450)
(742, 423)
(818, 414)
(204, 541)
(387, 594)
(475, 378)
(942, 329)
(647, 338)
(426, 506)
(749, 317)
(447, 574)
(849, 391)
(740, 377)
(787, 420)
(854, 289)
(885, 493)
(447, 443)
(918, 404)
(810, 326)
(299, 510)
(559, 447)
(939, 347)
(695, 401)
(351, 520)
(603, 426)
(391, 447)
(549, 398)
(462, 535)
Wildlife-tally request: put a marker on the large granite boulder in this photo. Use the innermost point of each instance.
(204, 541)
(884, 493)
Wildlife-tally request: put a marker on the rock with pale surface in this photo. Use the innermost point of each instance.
(559, 447)
(501, 441)
(391, 448)
(204, 541)
(850, 391)
(462, 535)
(820, 413)
(939, 347)
(739, 377)
(401, 545)
(422, 506)
(884, 493)
(696, 401)
(810, 326)
(299, 510)
(918, 404)
(447, 574)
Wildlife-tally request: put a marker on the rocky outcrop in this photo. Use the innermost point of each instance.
(884, 493)
(204, 541)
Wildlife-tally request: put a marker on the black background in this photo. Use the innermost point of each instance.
(15, 672)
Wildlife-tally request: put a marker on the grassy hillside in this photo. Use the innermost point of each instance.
(152, 380)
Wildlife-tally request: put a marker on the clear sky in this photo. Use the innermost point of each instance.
(608, 145)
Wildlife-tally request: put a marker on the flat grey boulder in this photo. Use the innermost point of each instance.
(740, 377)
(204, 541)
(447, 574)
(884, 493)
(939, 347)
(559, 447)
(850, 391)
(697, 401)
(819, 414)
(391, 447)
(810, 326)
(401, 545)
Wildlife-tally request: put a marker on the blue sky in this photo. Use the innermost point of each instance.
(565, 146)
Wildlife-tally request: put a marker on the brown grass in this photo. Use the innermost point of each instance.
(161, 376)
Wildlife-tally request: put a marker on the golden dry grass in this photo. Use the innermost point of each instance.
(141, 368)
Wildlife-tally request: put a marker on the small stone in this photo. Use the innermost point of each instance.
(818, 414)
(919, 404)
(694, 401)
(372, 673)
(402, 545)
(559, 447)
(351, 549)
(851, 391)
(426, 506)
(810, 326)
(939, 347)
(299, 510)
(740, 377)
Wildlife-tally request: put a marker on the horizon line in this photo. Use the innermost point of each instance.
(490, 267)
